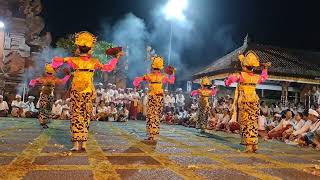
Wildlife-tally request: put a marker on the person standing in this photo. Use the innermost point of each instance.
(205, 92)
(156, 78)
(180, 100)
(82, 88)
(48, 82)
(247, 100)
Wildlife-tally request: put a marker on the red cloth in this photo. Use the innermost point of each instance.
(233, 126)
(276, 134)
(133, 111)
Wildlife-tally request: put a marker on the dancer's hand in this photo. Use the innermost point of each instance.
(120, 54)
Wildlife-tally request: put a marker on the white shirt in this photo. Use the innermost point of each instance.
(102, 91)
(119, 98)
(172, 101)
(56, 109)
(304, 128)
(145, 100)
(17, 104)
(102, 109)
(167, 100)
(29, 106)
(180, 100)
(299, 125)
(262, 121)
(4, 106)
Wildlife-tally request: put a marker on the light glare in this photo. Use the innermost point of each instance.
(174, 9)
(1, 24)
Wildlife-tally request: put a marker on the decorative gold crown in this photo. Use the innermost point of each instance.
(49, 69)
(157, 62)
(250, 59)
(205, 81)
(85, 38)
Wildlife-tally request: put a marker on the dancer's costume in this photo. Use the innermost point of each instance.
(205, 92)
(82, 93)
(48, 82)
(155, 95)
(246, 99)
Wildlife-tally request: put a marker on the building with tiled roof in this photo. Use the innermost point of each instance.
(291, 70)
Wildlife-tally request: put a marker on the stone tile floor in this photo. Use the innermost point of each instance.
(118, 151)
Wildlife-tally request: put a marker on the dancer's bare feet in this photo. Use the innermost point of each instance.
(254, 148)
(83, 146)
(76, 146)
(249, 149)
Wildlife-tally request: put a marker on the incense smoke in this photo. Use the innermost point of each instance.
(132, 31)
(45, 56)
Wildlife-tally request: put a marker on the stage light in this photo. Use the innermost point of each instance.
(174, 9)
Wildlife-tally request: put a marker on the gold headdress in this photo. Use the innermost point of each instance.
(49, 69)
(250, 59)
(205, 81)
(84, 38)
(157, 62)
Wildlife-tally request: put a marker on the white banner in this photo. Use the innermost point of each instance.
(189, 86)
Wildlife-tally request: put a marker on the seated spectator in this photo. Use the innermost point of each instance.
(65, 115)
(56, 109)
(4, 109)
(179, 116)
(169, 117)
(212, 120)
(272, 123)
(262, 121)
(94, 110)
(102, 112)
(312, 136)
(112, 112)
(223, 122)
(282, 126)
(17, 106)
(29, 110)
(265, 109)
(309, 121)
(193, 118)
(296, 125)
(123, 114)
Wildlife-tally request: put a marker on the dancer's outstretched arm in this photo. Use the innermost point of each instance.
(59, 61)
(138, 80)
(231, 79)
(171, 79)
(64, 80)
(110, 66)
(263, 76)
(194, 92)
(213, 91)
(34, 82)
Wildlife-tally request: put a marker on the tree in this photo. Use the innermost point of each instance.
(67, 44)
(99, 51)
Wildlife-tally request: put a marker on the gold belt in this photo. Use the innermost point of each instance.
(89, 70)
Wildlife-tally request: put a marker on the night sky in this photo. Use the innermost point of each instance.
(220, 25)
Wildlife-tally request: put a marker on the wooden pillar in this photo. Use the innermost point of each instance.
(284, 94)
(296, 98)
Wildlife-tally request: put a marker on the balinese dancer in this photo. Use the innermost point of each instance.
(82, 92)
(246, 99)
(205, 92)
(48, 82)
(156, 79)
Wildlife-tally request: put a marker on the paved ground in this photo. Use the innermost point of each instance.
(117, 151)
